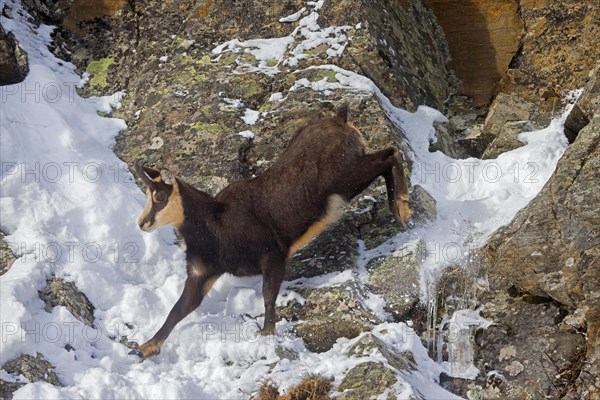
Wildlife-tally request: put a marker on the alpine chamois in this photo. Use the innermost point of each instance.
(253, 226)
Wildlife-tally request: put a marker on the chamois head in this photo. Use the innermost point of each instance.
(163, 203)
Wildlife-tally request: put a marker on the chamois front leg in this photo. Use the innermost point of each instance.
(273, 270)
(397, 189)
(387, 163)
(196, 287)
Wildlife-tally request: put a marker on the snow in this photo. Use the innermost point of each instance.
(250, 116)
(70, 208)
(273, 52)
(247, 134)
(293, 17)
(277, 96)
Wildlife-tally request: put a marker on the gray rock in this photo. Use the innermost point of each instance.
(422, 204)
(33, 368)
(526, 353)
(394, 54)
(8, 388)
(367, 380)
(333, 250)
(7, 258)
(583, 110)
(552, 247)
(329, 314)
(404, 361)
(397, 278)
(509, 115)
(61, 293)
(14, 66)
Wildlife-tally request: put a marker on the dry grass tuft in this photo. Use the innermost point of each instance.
(312, 387)
(267, 391)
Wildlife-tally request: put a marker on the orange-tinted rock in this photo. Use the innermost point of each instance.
(87, 10)
(483, 37)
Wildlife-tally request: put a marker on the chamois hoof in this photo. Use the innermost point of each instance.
(137, 353)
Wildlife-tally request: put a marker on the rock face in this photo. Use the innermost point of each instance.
(554, 241)
(529, 351)
(556, 54)
(329, 314)
(13, 60)
(585, 107)
(414, 56)
(552, 247)
(483, 37)
(366, 380)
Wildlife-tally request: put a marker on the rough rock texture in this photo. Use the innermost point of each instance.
(13, 60)
(508, 116)
(483, 37)
(61, 293)
(555, 239)
(557, 52)
(33, 368)
(397, 278)
(8, 388)
(529, 352)
(329, 314)
(404, 361)
(412, 46)
(552, 247)
(558, 49)
(583, 110)
(366, 380)
(7, 258)
(422, 204)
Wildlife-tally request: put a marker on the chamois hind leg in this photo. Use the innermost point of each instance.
(273, 270)
(386, 163)
(196, 287)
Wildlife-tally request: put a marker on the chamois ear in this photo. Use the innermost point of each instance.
(167, 176)
(342, 112)
(153, 174)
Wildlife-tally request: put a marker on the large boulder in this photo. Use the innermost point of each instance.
(14, 66)
(552, 247)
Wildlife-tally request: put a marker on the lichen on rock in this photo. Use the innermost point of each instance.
(367, 380)
(58, 292)
(33, 368)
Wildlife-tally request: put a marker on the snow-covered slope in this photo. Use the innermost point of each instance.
(70, 205)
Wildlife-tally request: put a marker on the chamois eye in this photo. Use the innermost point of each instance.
(160, 197)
